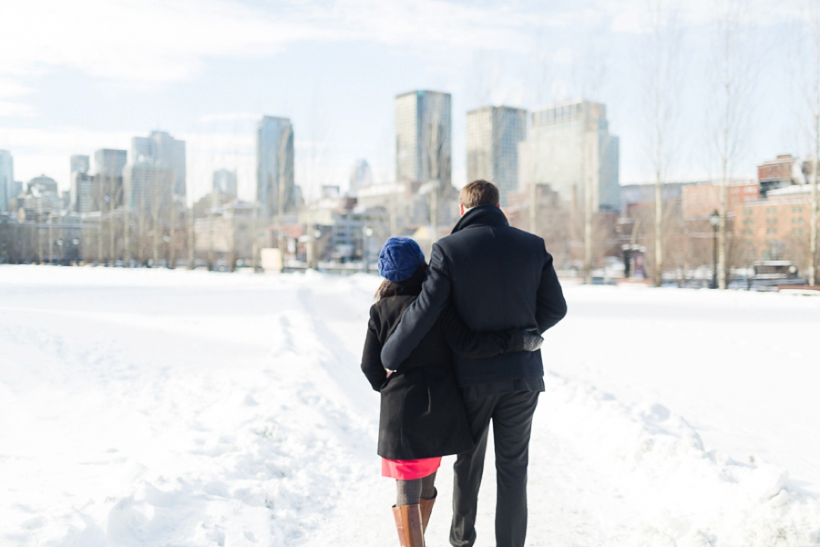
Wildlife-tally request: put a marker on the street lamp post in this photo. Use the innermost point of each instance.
(714, 220)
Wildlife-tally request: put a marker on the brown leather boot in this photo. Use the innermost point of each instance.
(427, 509)
(408, 524)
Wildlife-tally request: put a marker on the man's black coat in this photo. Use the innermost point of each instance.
(422, 414)
(497, 278)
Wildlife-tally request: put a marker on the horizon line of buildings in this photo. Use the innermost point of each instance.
(559, 156)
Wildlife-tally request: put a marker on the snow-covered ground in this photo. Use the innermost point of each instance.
(154, 408)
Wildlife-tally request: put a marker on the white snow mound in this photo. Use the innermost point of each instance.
(678, 493)
(155, 408)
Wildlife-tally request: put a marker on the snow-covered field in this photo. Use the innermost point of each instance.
(159, 408)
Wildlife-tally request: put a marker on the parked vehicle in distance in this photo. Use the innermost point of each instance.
(768, 274)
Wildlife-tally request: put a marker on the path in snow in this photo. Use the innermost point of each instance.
(179, 408)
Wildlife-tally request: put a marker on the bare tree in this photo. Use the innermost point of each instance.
(733, 69)
(660, 61)
(101, 183)
(172, 225)
(808, 79)
(313, 175)
(126, 225)
(161, 197)
(589, 75)
(191, 235)
(584, 79)
(114, 195)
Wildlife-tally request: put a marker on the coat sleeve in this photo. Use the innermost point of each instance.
(477, 345)
(550, 305)
(421, 315)
(371, 361)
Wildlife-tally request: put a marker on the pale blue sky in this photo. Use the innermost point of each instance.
(81, 75)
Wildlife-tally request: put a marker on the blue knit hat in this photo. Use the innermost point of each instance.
(400, 258)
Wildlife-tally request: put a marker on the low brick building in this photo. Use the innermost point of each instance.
(776, 227)
(701, 200)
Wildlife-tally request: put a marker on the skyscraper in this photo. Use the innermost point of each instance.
(570, 148)
(274, 166)
(423, 132)
(81, 192)
(42, 196)
(162, 151)
(493, 134)
(156, 173)
(6, 179)
(108, 162)
(225, 182)
(107, 192)
(80, 164)
(360, 176)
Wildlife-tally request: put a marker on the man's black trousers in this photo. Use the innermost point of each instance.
(511, 414)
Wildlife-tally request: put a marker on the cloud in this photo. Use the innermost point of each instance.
(168, 41)
(564, 56)
(630, 16)
(165, 41)
(141, 40)
(10, 89)
(10, 108)
(230, 117)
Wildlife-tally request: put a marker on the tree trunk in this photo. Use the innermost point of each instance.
(658, 273)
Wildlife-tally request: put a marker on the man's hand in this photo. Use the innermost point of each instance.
(389, 372)
(532, 340)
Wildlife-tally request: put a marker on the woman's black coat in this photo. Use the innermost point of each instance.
(422, 414)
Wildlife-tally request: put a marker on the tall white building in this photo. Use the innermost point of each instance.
(108, 189)
(225, 182)
(81, 192)
(80, 164)
(493, 134)
(274, 166)
(6, 179)
(162, 151)
(423, 137)
(360, 176)
(156, 174)
(109, 162)
(570, 148)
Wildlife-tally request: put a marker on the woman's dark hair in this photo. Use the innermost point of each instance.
(391, 288)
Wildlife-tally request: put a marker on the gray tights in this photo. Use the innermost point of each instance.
(411, 491)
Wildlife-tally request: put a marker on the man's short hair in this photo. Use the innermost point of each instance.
(479, 192)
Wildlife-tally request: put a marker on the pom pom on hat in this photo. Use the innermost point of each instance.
(400, 258)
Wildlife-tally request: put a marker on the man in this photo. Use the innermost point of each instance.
(498, 278)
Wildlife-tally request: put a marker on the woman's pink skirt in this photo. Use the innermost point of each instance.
(408, 470)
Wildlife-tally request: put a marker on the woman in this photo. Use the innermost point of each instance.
(422, 415)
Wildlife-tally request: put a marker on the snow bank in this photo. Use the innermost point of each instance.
(158, 408)
(677, 492)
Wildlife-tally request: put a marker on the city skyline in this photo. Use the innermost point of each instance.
(342, 84)
(116, 160)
